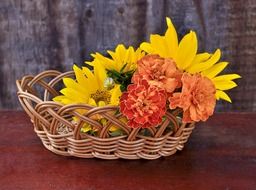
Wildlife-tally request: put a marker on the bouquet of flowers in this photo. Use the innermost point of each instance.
(163, 75)
(134, 103)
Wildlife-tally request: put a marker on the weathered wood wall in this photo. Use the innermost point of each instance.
(36, 35)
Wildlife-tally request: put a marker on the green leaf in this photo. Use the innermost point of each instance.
(124, 79)
(122, 69)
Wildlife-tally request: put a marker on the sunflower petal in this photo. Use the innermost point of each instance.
(196, 68)
(227, 77)
(92, 102)
(127, 58)
(158, 43)
(63, 99)
(91, 63)
(115, 95)
(138, 55)
(91, 81)
(60, 99)
(171, 39)
(80, 76)
(215, 69)
(86, 128)
(70, 83)
(75, 95)
(201, 57)
(145, 46)
(119, 55)
(88, 73)
(187, 50)
(105, 61)
(224, 84)
(100, 74)
(83, 81)
(222, 95)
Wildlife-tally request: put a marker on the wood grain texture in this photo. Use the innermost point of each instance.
(36, 35)
(220, 154)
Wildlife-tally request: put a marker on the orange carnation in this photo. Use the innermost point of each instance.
(197, 98)
(160, 72)
(143, 105)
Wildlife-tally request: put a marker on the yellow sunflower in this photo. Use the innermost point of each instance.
(93, 88)
(89, 88)
(122, 59)
(122, 64)
(184, 53)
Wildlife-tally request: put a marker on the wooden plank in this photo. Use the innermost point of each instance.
(220, 154)
(38, 35)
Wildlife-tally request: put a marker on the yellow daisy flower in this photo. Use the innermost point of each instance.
(184, 53)
(89, 88)
(93, 88)
(122, 64)
(122, 59)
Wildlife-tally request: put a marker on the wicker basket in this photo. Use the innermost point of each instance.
(59, 134)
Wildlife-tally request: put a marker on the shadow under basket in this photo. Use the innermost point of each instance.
(54, 124)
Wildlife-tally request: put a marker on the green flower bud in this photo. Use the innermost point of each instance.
(109, 83)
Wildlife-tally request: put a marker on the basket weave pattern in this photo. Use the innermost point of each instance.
(54, 125)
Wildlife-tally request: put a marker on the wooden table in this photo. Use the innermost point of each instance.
(221, 155)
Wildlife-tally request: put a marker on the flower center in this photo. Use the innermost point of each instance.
(143, 104)
(101, 95)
